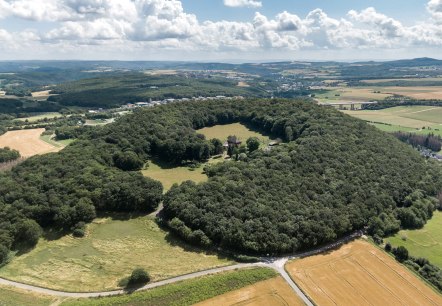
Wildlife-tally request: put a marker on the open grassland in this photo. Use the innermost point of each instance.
(169, 175)
(40, 117)
(239, 130)
(109, 252)
(275, 292)
(15, 297)
(27, 142)
(360, 274)
(415, 117)
(187, 292)
(425, 242)
(56, 143)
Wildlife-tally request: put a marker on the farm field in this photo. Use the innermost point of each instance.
(353, 94)
(239, 130)
(360, 274)
(15, 297)
(27, 142)
(275, 292)
(425, 242)
(187, 292)
(415, 117)
(111, 249)
(56, 143)
(40, 117)
(417, 92)
(375, 81)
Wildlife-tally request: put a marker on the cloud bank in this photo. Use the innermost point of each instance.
(147, 25)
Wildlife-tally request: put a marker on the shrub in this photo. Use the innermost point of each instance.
(388, 247)
(401, 253)
(138, 277)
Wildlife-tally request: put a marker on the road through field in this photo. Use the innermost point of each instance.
(276, 263)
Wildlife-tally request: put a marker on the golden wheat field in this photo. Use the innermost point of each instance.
(360, 274)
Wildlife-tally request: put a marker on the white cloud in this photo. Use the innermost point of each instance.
(243, 3)
(165, 25)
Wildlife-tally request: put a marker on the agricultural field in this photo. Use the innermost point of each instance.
(112, 248)
(360, 274)
(56, 143)
(414, 117)
(417, 92)
(376, 81)
(239, 130)
(185, 293)
(352, 94)
(15, 297)
(27, 142)
(40, 117)
(425, 242)
(275, 292)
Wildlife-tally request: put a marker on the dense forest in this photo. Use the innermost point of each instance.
(335, 174)
(112, 91)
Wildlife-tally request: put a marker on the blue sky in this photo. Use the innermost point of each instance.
(224, 30)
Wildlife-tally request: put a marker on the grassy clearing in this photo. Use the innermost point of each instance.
(425, 242)
(109, 252)
(359, 273)
(40, 117)
(15, 297)
(239, 130)
(169, 175)
(186, 292)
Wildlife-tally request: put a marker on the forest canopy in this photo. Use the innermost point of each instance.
(333, 175)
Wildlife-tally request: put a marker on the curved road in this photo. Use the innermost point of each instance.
(276, 263)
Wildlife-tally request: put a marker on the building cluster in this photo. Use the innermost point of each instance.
(165, 101)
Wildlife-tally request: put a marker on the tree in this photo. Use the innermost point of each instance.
(401, 253)
(252, 144)
(28, 232)
(138, 277)
(388, 247)
(128, 161)
(218, 147)
(3, 254)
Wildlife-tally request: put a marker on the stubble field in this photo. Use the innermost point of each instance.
(360, 274)
(27, 142)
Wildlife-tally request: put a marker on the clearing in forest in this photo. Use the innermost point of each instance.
(425, 242)
(112, 248)
(27, 142)
(239, 130)
(275, 292)
(360, 274)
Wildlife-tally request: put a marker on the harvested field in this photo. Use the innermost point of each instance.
(41, 94)
(243, 84)
(27, 142)
(418, 92)
(273, 292)
(360, 274)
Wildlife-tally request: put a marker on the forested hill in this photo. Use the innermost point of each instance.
(335, 174)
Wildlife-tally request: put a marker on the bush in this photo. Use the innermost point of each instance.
(79, 230)
(388, 247)
(401, 253)
(138, 277)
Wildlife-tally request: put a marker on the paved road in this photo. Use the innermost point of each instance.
(276, 263)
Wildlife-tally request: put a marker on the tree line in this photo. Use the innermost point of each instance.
(430, 141)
